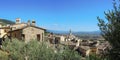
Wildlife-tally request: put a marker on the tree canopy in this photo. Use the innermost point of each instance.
(110, 30)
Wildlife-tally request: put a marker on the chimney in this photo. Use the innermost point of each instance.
(18, 20)
(33, 23)
(28, 23)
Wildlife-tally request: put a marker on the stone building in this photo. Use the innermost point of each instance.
(26, 31)
(71, 36)
(4, 31)
(3, 34)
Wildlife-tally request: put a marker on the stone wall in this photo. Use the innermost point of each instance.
(18, 26)
(16, 34)
(32, 32)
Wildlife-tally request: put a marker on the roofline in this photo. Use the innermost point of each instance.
(37, 27)
(4, 27)
(26, 27)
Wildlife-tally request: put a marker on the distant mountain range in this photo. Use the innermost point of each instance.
(5, 22)
(75, 33)
(89, 33)
(57, 32)
(93, 35)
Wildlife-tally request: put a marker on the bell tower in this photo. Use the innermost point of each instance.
(70, 32)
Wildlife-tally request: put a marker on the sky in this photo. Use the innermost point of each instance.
(61, 15)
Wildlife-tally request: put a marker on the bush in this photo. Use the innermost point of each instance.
(3, 55)
(34, 50)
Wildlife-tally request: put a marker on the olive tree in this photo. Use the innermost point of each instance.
(110, 30)
(34, 50)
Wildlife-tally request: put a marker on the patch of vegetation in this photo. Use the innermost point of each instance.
(110, 30)
(34, 50)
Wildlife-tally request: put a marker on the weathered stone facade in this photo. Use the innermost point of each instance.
(28, 33)
(18, 26)
(15, 34)
(33, 33)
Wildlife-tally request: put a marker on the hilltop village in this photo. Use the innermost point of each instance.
(29, 31)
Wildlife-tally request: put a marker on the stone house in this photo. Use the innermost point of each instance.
(93, 50)
(3, 34)
(103, 48)
(4, 31)
(26, 31)
(84, 50)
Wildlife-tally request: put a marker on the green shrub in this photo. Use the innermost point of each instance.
(3, 55)
(34, 50)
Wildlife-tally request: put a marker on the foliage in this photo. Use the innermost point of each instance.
(34, 50)
(94, 57)
(3, 55)
(110, 30)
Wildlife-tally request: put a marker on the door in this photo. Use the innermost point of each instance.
(38, 37)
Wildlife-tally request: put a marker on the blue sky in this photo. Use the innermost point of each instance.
(77, 15)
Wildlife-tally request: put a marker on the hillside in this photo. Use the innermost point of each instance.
(5, 22)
